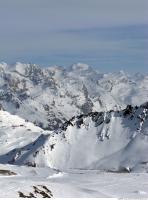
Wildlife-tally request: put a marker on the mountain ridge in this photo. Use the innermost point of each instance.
(48, 97)
(107, 141)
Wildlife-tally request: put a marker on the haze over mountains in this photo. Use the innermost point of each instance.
(48, 97)
(82, 118)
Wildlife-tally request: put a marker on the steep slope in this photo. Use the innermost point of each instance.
(51, 96)
(16, 132)
(107, 140)
(99, 140)
(19, 139)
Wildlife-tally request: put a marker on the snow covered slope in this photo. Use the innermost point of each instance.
(107, 141)
(50, 96)
(16, 132)
(19, 139)
(112, 141)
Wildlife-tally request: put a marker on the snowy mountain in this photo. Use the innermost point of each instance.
(88, 122)
(103, 140)
(108, 141)
(50, 96)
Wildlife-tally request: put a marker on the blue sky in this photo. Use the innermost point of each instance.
(110, 35)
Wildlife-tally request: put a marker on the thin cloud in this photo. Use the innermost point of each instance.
(93, 31)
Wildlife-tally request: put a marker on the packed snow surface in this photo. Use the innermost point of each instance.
(45, 182)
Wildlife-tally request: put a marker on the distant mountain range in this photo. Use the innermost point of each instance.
(50, 96)
(73, 118)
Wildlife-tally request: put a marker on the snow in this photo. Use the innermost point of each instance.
(73, 183)
(107, 141)
(15, 132)
(27, 89)
(66, 132)
(111, 145)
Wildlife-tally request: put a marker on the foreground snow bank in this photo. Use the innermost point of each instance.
(41, 182)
